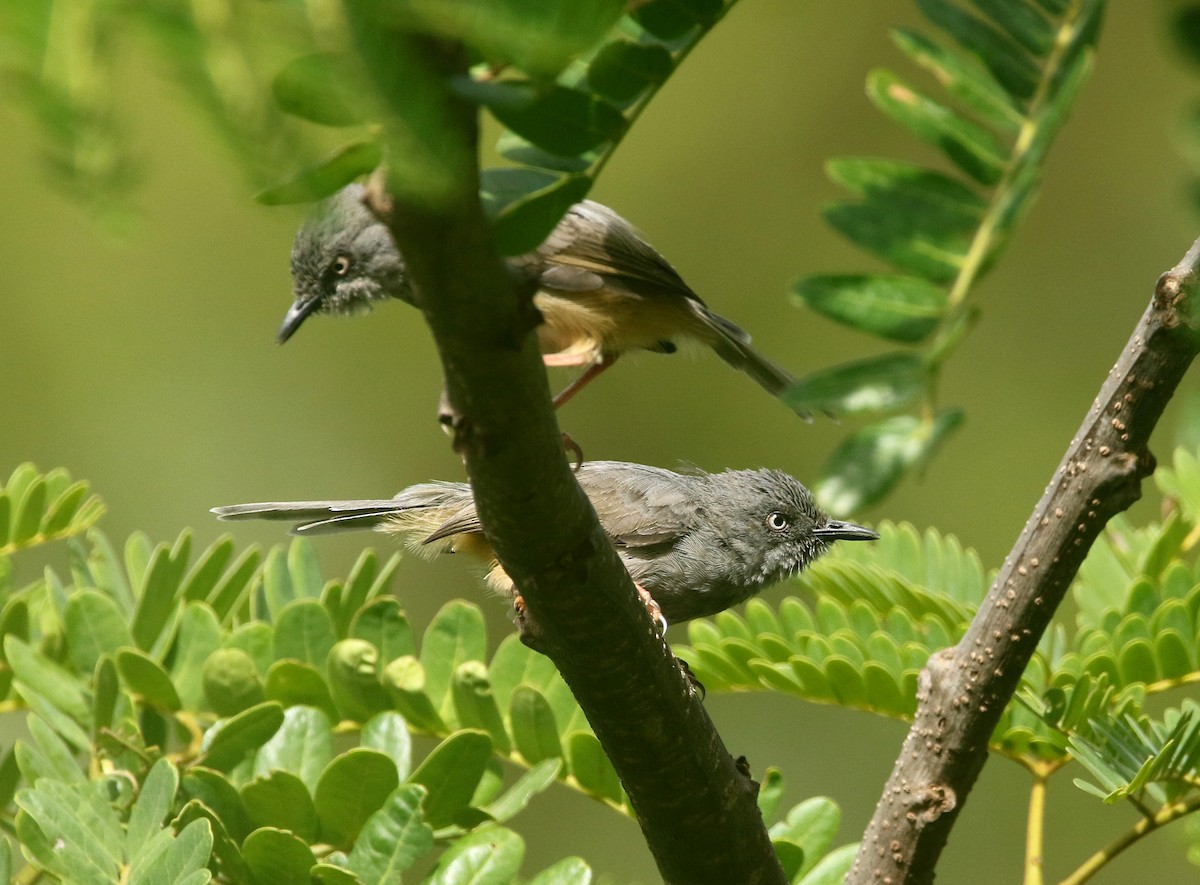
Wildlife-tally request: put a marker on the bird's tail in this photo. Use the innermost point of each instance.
(416, 512)
(732, 344)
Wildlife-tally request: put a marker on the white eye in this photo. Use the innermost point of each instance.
(341, 265)
(778, 522)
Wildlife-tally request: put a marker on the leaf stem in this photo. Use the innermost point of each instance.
(1035, 829)
(1143, 827)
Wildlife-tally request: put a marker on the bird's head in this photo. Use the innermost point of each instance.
(773, 525)
(343, 260)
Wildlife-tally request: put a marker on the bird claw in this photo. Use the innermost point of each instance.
(573, 448)
(652, 609)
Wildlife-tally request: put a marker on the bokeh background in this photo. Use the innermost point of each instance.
(142, 358)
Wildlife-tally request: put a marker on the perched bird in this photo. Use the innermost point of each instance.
(695, 543)
(602, 290)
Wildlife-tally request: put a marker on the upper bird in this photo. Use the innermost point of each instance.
(695, 543)
(602, 289)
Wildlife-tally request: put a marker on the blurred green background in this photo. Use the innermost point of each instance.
(143, 359)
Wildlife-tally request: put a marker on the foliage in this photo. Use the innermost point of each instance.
(1009, 85)
(214, 696)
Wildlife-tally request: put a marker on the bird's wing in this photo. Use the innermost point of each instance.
(593, 245)
(639, 506)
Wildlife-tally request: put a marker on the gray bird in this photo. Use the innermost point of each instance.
(602, 290)
(695, 543)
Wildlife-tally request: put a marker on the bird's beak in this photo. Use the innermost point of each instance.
(836, 530)
(296, 315)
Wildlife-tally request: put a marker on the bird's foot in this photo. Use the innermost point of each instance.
(573, 450)
(652, 608)
(527, 628)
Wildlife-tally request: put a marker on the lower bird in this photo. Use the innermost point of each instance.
(602, 289)
(694, 544)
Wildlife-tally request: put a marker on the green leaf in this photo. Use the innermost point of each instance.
(592, 768)
(323, 179)
(474, 705)
(833, 868)
(518, 796)
(303, 746)
(316, 87)
(154, 801)
(292, 683)
(353, 787)
(623, 71)
(231, 682)
(106, 688)
(968, 82)
(94, 626)
(199, 637)
(770, 793)
(455, 635)
(146, 679)
(382, 623)
(181, 859)
(158, 594)
(525, 205)
(488, 856)
(280, 799)
(227, 742)
(899, 308)
(84, 831)
(387, 732)
(392, 838)
(28, 517)
(969, 146)
(52, 758)
(47, 686)
(203, 576)
(568, 871)
(874, 384)
(353, 671)
(404, 679)
(868, 464)
(812, 825)
(451, 773)
(672, 19)
(304, 632)
(277, 858)
(1011, 67)
(214, 791)
(535, 732)
(556, 118)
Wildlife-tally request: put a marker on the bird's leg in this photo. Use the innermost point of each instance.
(652, 609)
(589, 374)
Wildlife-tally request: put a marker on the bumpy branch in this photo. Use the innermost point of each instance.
(696, 809)
(963, 690)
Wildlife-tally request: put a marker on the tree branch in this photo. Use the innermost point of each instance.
(697, 811)
(963, 690)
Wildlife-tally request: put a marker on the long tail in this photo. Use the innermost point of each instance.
(732, 344)
(419, 509)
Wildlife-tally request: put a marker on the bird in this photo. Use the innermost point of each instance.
(694, 543)
(602, 290)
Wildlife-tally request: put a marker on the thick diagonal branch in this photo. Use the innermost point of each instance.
(963, 689)
(697, 811)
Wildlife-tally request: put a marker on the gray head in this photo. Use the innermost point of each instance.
(772, 525)
(343, 261)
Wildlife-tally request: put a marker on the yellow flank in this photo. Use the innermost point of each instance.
(416, 525)
(603, 322)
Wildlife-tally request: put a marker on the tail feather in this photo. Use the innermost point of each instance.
(419, 508)
(732, 344)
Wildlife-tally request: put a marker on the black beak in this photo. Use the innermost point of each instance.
(296, 315)
(836, 530)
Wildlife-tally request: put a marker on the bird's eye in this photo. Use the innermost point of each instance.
(778, 522)
(341, 265)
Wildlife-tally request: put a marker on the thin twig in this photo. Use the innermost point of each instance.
(1143, 827)
(1035, 830)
